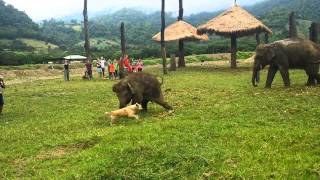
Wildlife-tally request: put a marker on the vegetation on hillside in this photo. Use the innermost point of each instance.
(14, 24)
(140, 27)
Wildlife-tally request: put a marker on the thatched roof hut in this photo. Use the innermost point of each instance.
(234, 22)
(180, 30)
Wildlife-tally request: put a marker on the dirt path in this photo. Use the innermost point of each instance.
(25, 76)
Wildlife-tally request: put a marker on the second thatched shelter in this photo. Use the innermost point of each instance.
(234, 22)
(180, 30)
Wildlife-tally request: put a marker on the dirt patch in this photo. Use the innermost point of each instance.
(55, 153)
(61, 151)
(20, 165)
(220, 56)
(23, 76)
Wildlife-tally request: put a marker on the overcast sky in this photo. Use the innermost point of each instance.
(46, 9)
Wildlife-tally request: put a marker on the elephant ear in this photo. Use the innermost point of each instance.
(270, 52)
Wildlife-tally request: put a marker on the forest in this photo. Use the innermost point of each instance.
(60, 37)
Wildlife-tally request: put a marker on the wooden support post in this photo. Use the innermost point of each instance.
(233, 51)
(123, 50)
(163, 45)
(180, 17)
(314, 32)
(182, 62)
(292, 26)
(86, 31)
(258, 39)
(173, 63)
(266, 38)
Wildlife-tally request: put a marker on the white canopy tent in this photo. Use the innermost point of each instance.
(75, 57)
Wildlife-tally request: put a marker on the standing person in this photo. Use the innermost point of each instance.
(99, 69)
(88, 66)
(112, 70)
(66, 70)
(126, 63)
(140, 65)
(2, 87)
(103, 66)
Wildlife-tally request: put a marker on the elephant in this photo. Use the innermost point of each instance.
(293, 53)
(140, 88)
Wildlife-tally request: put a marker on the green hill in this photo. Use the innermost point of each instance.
(140, 27)
(15, 23)
(306, 9)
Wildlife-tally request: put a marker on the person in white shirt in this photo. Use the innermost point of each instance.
(103, 66)
(2, 86)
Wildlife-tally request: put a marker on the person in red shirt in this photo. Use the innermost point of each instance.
(112, 70)
(126, 63)
(139, 65)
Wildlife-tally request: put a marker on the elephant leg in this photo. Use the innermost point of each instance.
(145, 105)
(162, 103)
(313, 76)
(311, 80)
(285, 76)
(318, 78)
(271, 73)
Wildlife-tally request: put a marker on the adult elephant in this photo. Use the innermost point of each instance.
(287, 54)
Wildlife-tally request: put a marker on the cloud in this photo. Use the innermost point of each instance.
(45, 9)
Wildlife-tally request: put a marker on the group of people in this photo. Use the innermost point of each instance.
(106, 68)
(113, 68)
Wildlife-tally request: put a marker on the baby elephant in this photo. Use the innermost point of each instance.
(140, 88)
(287, 54)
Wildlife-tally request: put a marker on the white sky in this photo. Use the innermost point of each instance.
(46, 9)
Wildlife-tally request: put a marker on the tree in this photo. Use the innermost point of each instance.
(163, 45)
(292, 26)
(182, 62)
(86, 31)
(123, 49)
(314, 32)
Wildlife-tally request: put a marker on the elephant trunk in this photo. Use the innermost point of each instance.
(256, 76)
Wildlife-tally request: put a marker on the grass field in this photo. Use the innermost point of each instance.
(222, 128)
(38, 45)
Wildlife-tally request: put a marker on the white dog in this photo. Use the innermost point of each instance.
(130, 111)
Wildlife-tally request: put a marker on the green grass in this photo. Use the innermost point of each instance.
(100, 43)
(188, 59)
(222, 128)
(38, 45)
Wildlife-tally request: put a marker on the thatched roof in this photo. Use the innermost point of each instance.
(234, 21)
(180, 30)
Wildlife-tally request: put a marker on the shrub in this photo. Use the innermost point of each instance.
(244, 55)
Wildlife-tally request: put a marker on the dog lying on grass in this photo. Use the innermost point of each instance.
(130, 111)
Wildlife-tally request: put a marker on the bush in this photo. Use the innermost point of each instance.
(244, 55)
(12, 58)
